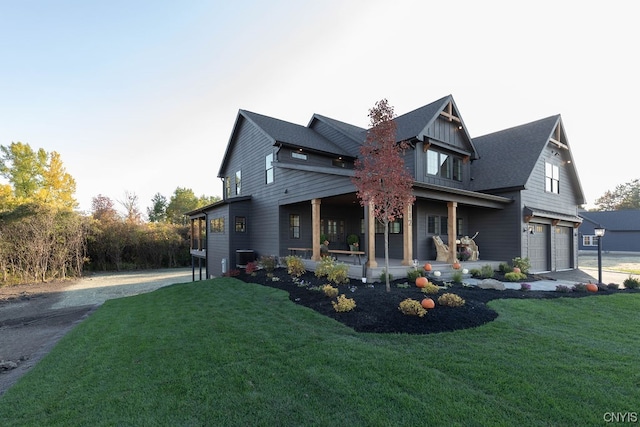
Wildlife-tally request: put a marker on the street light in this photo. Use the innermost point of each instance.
(599, 231)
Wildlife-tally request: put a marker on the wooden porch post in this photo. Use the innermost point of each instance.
(452, 230)
(315, 224)
(407, 239)
(371, 236)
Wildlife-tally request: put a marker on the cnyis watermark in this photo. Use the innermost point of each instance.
(620, 417)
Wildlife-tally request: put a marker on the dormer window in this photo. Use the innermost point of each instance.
(444, 165)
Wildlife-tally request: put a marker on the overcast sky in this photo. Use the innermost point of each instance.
(141, 95)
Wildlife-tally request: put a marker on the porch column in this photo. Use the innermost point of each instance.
(371, 236)
(407, 239)
(315, 225)
(452, 230)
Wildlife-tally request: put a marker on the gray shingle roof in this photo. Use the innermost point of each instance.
(622, 220)
(293, 135)
(412, 123)
(507, 157)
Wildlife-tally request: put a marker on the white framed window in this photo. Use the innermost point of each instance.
(238, 182)
(269, 168)
(589, 240)
(551, 178)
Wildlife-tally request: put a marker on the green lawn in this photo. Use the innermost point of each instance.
(222, 352)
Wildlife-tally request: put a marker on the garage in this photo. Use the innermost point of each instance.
(563, 247)
(539, 247)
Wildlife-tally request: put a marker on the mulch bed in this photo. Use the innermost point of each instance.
(377, 310)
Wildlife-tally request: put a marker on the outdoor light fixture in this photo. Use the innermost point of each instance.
(599, 232)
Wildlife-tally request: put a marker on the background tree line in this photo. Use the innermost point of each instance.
(42, 237)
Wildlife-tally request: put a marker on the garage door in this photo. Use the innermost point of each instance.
(539, 248)
(563, 236)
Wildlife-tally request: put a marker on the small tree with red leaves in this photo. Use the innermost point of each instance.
(381, 180)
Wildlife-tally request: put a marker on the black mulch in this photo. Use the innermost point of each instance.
(377, 310)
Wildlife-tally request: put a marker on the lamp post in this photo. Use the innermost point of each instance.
(599, 231)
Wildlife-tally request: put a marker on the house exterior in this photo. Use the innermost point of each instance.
(285, 185)
(622, 231)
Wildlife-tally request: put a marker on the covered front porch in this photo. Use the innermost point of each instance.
(397, 269)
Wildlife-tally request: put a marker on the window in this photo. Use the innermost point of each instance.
(437, 224)
(333, 229)
(298, 155)
(551, 178)
(294, 226)
(217, 225)
(444, 165)
(269, 168)
(238, 182)
(241, 224)
(227, 187)
(459, 227)
(589, 240)
(395, 227)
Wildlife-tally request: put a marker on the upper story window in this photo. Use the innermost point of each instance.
(269, 168)
(227, 187)
(444, 165)
(238, 182)
(551, 178)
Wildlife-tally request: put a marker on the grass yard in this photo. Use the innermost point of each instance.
(223, 352)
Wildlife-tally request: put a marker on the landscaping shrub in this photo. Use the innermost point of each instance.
(563, 289)
(251, 268)
(412, 307)
(525, 287)
(486, 272)
(522, 263)
(451, 300)
(295, 266)
(580, 287)
(631, 283)
(413, 274)
(430, 288)
(324, 266)
(613, 286)
(457, 276)
(268, 262)
(383, 277)
(514, 277)
(339, 273)
(330, 291)
(343, 304)
(504, 267)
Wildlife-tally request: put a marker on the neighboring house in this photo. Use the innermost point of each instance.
(285, 184)
(622, 230)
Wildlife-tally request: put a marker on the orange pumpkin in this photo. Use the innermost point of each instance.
(428, 303)
(421, 282)
(427, 267)
(592, 287)
(517, 270)
(456, 265)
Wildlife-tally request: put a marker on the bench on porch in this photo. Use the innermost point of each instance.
(344, 252)
(305, 251)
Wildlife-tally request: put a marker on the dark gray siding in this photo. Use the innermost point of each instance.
(566, 202)
(499, 230)
(218, 243)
